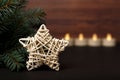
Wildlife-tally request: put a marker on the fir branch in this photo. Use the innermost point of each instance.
(1, 61)
(14, 60)
(34, 16)
(16, 22)
(7, 6)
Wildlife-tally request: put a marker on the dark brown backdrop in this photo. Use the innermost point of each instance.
(86, 16)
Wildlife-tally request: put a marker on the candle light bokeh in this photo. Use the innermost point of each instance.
(81, 40)
(109, 41)
(68, 38)
(94, 41)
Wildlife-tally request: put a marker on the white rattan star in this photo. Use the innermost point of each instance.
(43, 49)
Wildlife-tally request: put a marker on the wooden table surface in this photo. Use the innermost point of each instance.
(77, 63)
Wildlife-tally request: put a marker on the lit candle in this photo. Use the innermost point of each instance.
(80, 41)
(68, 38)
(94, 41)
(108, 41)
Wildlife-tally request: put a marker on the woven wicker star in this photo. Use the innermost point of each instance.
(43, 49)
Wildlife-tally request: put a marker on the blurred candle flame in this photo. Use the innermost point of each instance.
(94, 37)
(109, 37)
(81, 36)
(67, 36)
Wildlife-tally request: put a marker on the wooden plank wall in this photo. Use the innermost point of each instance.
(86, 16)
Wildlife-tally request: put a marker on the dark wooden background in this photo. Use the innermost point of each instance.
(86, 16)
